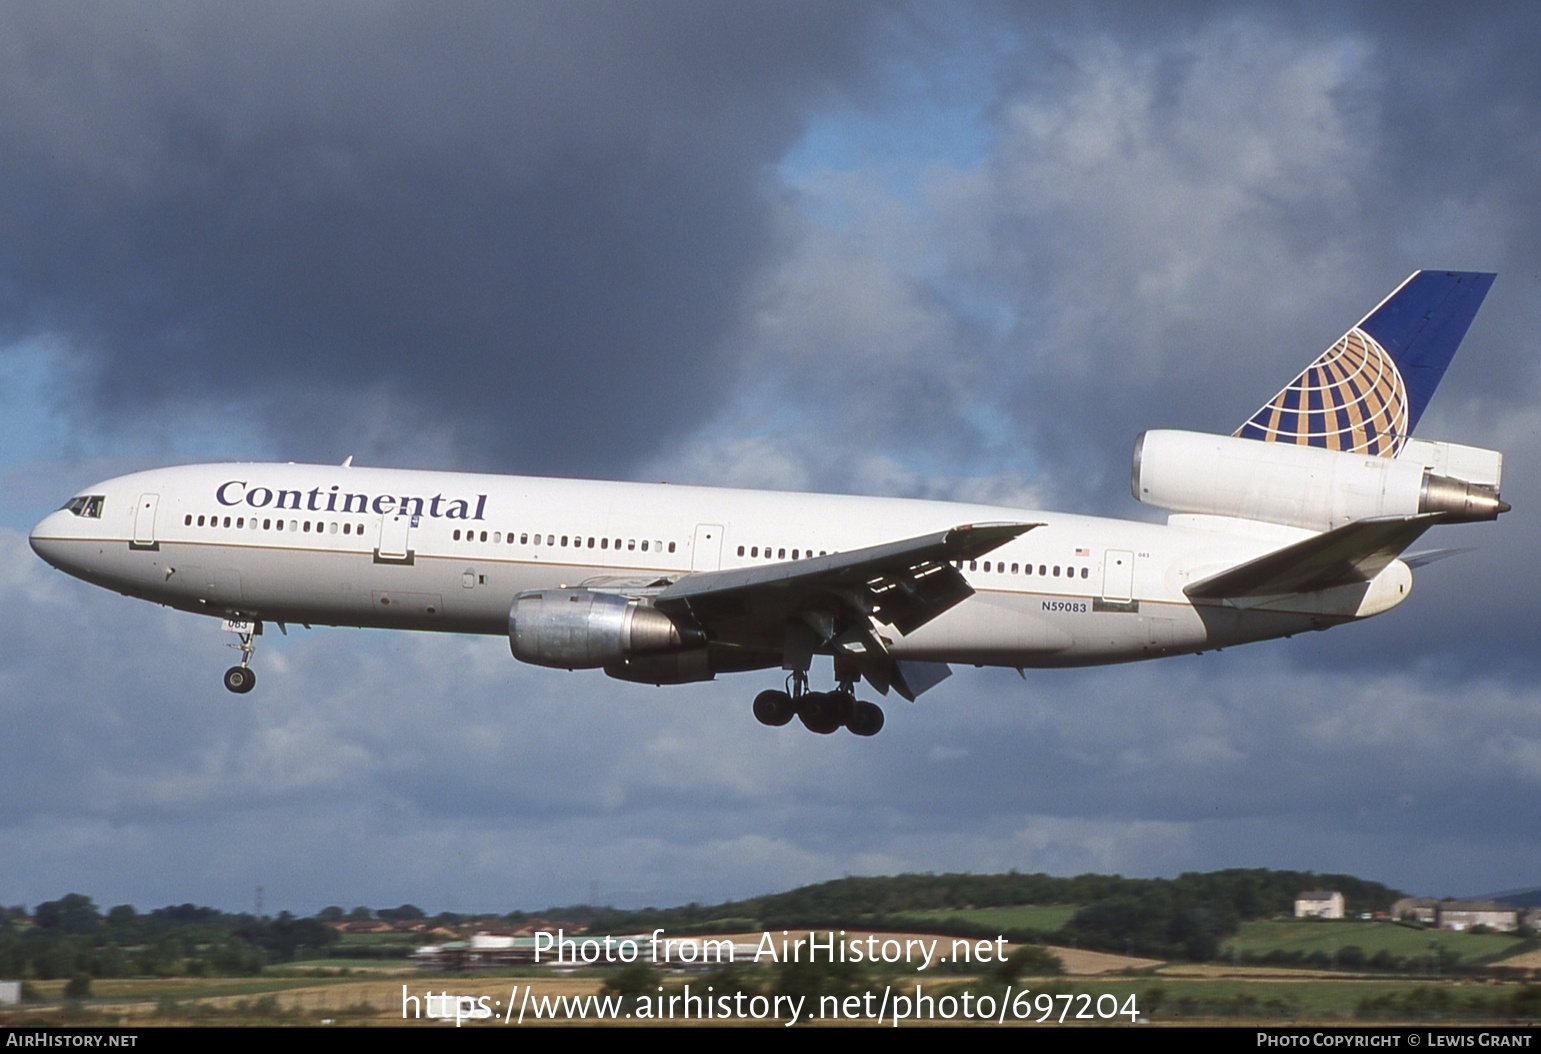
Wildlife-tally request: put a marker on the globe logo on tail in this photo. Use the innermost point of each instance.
(1351, 399)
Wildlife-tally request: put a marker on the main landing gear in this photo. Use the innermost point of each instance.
(820, 712)
(242, 679)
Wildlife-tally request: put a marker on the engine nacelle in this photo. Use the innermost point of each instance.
(1301, 486)
(581, 629)
(677, 667)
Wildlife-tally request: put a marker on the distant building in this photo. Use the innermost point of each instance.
(1319, 904)
(1464, 914)
(1416, 909)
(1457, 914)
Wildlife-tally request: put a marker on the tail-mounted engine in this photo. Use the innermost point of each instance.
(1302, 486)
(582, 629)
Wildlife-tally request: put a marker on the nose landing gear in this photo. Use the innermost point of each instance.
(242, 679)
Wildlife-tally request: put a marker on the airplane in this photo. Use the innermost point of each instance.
(1297, 521)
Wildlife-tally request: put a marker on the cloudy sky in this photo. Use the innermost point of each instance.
(952, 251)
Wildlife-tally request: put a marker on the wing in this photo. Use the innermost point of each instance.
(1353, 553)
(836, 603)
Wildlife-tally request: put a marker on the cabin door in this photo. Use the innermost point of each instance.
(144, 522)
(706, 551)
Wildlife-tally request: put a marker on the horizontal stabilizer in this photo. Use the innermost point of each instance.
(1429, 556)
(1353, 553)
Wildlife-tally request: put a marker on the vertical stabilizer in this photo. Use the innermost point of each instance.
(1366, 393)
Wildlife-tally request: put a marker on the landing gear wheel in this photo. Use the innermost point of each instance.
(822, 712)
(866, 719)
(773, 708)
(240, 679)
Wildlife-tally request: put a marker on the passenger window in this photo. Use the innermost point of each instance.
(188, 522)
(671, 547)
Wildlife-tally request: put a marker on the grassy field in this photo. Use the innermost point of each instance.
(1329, 936)
(1045, 918)
(1241, 995)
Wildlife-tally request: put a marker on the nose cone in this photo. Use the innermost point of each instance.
(48, 541)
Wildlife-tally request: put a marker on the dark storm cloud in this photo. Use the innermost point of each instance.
(1174, 214)
(498, 222)
(1235, 198)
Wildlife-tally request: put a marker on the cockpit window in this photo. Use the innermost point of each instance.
(87, 505)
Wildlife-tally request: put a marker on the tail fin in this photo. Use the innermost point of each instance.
(1366, 393)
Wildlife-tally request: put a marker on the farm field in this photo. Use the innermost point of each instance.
(375, 996)
(1045, 918)
(1329, 936)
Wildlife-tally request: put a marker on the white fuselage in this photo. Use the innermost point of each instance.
(446, 551)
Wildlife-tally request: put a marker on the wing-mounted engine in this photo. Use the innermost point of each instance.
(585, 629)
(1311, 487)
